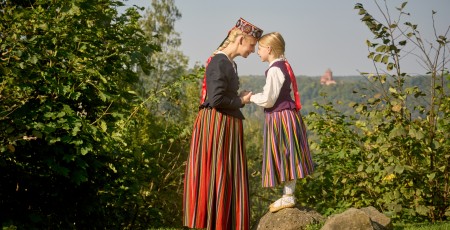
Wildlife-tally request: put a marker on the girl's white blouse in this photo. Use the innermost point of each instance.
(271, 90)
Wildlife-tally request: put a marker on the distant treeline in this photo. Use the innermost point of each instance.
(347, 89)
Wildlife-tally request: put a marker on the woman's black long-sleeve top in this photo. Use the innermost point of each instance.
(222, 85)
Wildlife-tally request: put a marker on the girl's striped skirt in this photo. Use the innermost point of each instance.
(216, 184)
(286, 150)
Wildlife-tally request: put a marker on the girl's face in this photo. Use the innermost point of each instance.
(263, 52)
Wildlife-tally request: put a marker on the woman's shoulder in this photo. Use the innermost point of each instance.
(220, 60)
(219, 57)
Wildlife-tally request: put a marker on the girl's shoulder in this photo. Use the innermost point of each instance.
(278, 62)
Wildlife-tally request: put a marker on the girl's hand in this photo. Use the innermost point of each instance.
(245, 98)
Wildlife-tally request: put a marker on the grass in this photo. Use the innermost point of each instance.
(423, 226)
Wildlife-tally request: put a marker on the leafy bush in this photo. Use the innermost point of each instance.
(66, 85)
(387, 153)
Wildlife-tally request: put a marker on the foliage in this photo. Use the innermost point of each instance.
(158, 150)
(346, 90)
(96, 111)
(66, 90)
(158, 136)
(423, 226)
(169, 64)
(385, 152)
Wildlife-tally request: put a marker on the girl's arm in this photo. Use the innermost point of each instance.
(271, 90)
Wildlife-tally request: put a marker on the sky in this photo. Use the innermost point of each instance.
(319, 34)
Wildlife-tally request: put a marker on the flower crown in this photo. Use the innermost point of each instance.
(249, 28)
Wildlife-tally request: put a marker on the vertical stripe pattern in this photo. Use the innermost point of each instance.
(216, 192)
(286, 150)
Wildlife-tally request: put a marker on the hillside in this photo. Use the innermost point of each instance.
(347, 89)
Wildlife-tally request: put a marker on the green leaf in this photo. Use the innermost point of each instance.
(403, 5)
(389, 170)
(398, 207)
(390, 66)
(381, 48)
(360, 168)
(360, 108)
(398, 131)
(43, 26)
(399, 169)
(416, 134)
(103, 126)
(385, 59)
(366, 17)
(431, 176)
(61, 114)
(422, 210)
(67, 110)
(75, 130)
(378, 57)
(85, 150)
(392, 90)
(33, 59)
(362, 11)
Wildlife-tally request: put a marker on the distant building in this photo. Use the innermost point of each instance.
(327, 78)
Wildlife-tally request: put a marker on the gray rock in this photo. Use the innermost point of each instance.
(296, 218)
(367, 218)
(379, 220)
(351, 219)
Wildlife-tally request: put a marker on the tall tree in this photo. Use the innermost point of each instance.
(169, 63)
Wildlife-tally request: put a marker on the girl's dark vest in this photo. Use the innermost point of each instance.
(284, 100)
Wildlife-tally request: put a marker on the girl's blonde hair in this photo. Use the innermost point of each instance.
(275, 41)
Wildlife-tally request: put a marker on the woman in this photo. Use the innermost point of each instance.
(216, 183)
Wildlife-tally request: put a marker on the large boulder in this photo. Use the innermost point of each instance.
(367, 218)
(351, 219)
(379, 220)
(298, 218)
(289, 219)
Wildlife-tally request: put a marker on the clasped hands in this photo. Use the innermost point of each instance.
(245, 96)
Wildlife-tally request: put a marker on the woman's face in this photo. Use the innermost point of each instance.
(248, 44)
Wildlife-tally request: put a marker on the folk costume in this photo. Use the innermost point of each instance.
(216, 186)
(286, 155)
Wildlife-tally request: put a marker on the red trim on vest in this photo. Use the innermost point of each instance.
(294, 86)
(203, 97)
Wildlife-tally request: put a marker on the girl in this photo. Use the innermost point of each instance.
(286, 156)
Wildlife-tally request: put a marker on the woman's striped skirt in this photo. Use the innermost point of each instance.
(216, 183)
(286, 150)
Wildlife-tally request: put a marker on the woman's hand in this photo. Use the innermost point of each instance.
(245, 96)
